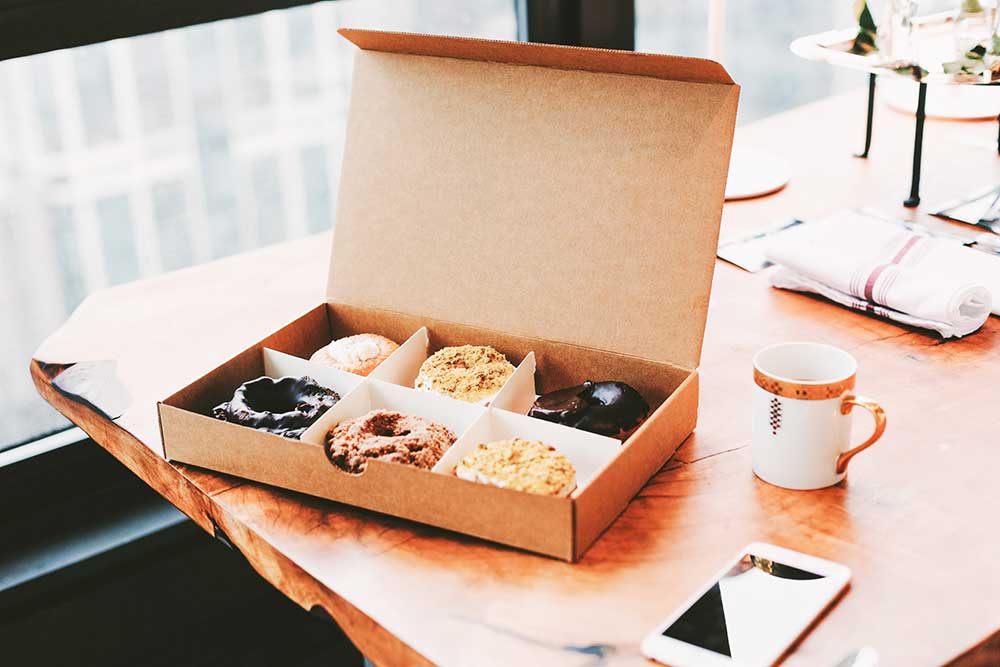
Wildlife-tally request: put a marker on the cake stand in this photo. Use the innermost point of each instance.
(933, 37)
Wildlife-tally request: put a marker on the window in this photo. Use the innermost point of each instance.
(136, 156)
(141, 155)
(756, 39)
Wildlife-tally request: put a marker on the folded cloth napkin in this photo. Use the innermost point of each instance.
(881, 268)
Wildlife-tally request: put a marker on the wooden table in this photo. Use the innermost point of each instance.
(917, 522)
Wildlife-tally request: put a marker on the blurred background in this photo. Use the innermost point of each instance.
(127, 158)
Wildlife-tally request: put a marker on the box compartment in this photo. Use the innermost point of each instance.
(457, 416)
(588, 452)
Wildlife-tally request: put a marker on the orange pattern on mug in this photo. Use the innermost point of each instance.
(800, 390)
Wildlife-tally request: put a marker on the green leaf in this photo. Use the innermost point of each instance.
(967, 66)
(864, 42)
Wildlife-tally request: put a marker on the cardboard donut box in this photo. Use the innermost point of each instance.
(559, 204)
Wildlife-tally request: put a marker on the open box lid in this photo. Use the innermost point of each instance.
(557, 192)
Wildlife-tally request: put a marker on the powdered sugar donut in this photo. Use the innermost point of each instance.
(358, 354)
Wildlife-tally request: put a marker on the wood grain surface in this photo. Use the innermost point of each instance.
(916, 521)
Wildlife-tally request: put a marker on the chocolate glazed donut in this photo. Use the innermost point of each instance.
(284, 407)
(613, 409)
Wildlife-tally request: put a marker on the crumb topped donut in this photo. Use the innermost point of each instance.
(470, 373)
(387, 436)
(522, 465)
(287, 406)
(358, 354)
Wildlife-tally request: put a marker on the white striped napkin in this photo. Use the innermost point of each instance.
(877, 267)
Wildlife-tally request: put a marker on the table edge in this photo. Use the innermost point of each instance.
(374, 641)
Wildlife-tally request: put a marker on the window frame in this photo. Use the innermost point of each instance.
(28, 27)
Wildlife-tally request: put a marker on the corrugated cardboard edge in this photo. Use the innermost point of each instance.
(610, 493)
(675, 68)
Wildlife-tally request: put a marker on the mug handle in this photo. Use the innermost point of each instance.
(846, 405)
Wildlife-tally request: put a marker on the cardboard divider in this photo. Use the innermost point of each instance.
(403, 365)
(588, 452)
(378, 395)
(518, 393)
(523, 376)
(278, 364)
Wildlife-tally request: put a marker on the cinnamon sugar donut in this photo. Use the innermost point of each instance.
(358, 354)
(387, 436)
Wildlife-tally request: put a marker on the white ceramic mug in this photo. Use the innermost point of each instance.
(802, 401)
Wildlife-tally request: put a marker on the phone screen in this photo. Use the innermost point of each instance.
(748, 613)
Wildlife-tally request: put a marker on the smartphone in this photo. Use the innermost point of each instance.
(751, 612)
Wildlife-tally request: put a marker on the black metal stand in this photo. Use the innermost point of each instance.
(918, 139)
(871, 118)
(998, 134)
(918, 144)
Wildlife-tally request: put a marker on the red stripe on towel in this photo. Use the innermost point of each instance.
(907, 247)
(877, 271)
(870, 285)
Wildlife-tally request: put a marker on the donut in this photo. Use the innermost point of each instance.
(470, 373)
(522, 465)
(358, 354)
(387, 436)
(287, 406)
(613, 409)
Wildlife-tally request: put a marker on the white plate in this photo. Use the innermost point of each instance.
(755, 173)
